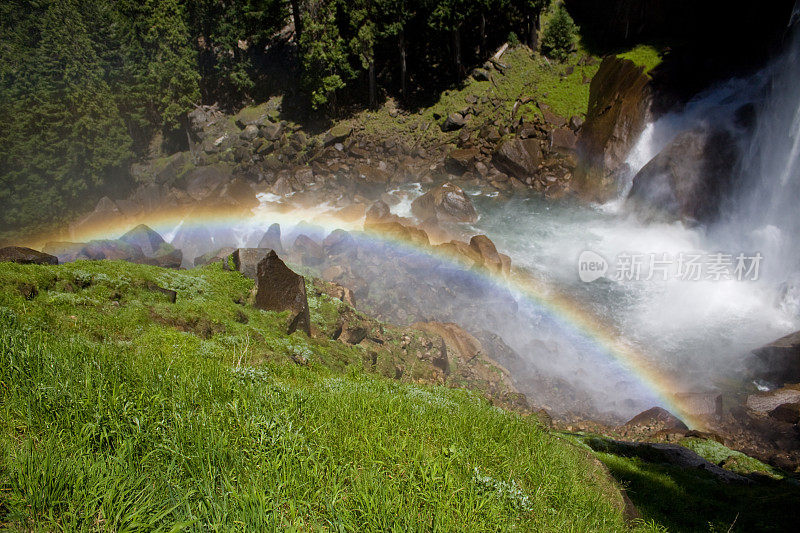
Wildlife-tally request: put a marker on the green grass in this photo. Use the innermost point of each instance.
(644, 55)
(120, 411)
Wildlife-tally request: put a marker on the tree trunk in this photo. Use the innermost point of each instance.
(457, 50)
(483, 35)
(402, 44)
(298, 19)
(535, 24)
(373, 96)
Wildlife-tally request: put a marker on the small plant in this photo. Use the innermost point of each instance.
(513, 39)
(559, 35)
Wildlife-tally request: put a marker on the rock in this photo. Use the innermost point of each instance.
(619, 107)
(26, 256)
(105, 213)
(778, 362)
(113, 250)
(453, 122)
(550, 118)
(249, 133)
(66, 252)
(787, 412)
(575, 123)
(563, 140)
(272, 132)
(378, 211)
(518, 157)
(371, 174)
(460, 160)
(340, 292)
(445, 202)
(658, 417)
(338, 242)
(311, 253)
(278, 288)
(272, 239)
(481, 74)
(337, 134)
(172, 296)
(705, 404)
(765, 402)
(218, 256)
(487, 251)
(145, 238)
(202, 182)
(246, 260)
(688, 179)
(281, 187)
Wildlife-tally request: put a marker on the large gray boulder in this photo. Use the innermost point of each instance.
(445, 202)
(246, 260)
(688, 179)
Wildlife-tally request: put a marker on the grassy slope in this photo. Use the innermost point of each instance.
(121, 411)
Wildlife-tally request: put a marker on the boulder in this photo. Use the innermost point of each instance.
(337, 134)
(311, 253)
(26, 256)
(657, 417)
(246, 260)
(779, 361)
(453, 122)
(619, 107)
(460, 160)
(518, 157)
(201, 182)
(113, 250)
(272, 239)
(378, 211)
(704, 404)
(145, 238)
(787, 412)
(765, 402)
(167, 256)
(486, 250)
(278, 288)
(217, 256)
(338, 242)
(445, 202)
(688, 179)
(552, 119)
(563, 140)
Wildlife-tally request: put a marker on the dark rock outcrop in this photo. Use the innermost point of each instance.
(619, 105)
(778, 362)
(278, 288)
(454, 121)
(26, 256)
(688, 179)
(445, 202)
(657, 417)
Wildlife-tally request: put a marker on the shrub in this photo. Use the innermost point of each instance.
(559, 35)
(513, 40)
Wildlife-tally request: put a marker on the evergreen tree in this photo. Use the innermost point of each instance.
(559, 35)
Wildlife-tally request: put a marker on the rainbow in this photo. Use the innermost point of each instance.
(565, 311)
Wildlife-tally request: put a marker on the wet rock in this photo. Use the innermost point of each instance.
(460, 160)
(703, 404)
(202, 182)
(311, 253)
(113, 250)
(518, 157)
(552, 119)
(575, 123)
(338, 242)
(486, 250)
(148, 240)
(453, 122)
(378, 211)
(657, 417)
(278, 288)
(787, 412)
(246, 260)
(619, 106)
(66, 252)
(26, 256)
(688, 179)
(778, 362)
(765, 402)
(272, 239)
(445, 202)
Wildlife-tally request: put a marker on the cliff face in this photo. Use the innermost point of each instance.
(707, 40)
(619, 105)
